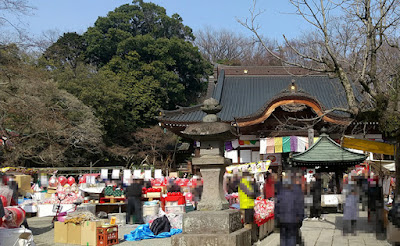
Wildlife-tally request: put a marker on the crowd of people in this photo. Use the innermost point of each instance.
(297, 200)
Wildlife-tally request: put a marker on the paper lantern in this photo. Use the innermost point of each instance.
(71, 180)
(62, 180)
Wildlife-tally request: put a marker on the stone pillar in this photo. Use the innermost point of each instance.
(214, 224)
(213, 197)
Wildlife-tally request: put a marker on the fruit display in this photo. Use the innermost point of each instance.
(109, 191)
(118, 192)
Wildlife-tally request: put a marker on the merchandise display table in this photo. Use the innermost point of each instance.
(30, 208)
(111, 207)
(44, 210)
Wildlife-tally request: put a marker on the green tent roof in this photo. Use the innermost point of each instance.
(326, 152)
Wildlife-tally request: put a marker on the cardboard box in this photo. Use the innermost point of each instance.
(74, 234)
(24, 183)
(51, 191)
(153, 194)
(47, 195)
(393, 233)
(88, 232)
(60, 232)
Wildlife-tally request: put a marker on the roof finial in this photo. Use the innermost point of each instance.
(324, 131)
(211, 107)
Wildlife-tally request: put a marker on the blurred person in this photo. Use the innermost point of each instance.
(375, 205)
(364, 191)
(269, 186)
(350, 210)
(316, 192)
(134, 194)
(247, 195)
(197, 191)
(173, 187)
(289, 210)
(394, 213)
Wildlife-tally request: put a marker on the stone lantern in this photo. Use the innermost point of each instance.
(214, 223)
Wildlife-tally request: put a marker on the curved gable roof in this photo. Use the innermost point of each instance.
(245, 95)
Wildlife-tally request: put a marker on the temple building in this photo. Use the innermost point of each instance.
(277, 111)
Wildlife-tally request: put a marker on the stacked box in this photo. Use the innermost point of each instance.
(175, 209)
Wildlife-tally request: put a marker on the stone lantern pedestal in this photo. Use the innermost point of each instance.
(214, 224)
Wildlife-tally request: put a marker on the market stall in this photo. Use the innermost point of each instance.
(263, 208)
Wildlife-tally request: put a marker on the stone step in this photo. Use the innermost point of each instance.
(212, 222)
(240, 237)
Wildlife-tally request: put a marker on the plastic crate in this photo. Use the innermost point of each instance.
(107, 236)
(175, 209)
(189, 208)
(150, 209)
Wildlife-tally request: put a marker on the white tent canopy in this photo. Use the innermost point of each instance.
(390, 166)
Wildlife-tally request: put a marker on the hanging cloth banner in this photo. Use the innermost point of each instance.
(253, 142)
(254, 167)
(241, 142)
(301, 144)
(278, 145)
(246, 142)
(235, 143)
(228, 146)
(104, 174)
(293, 143)
(270, 145)
(263, 146)
(368, 145)
(285, 144)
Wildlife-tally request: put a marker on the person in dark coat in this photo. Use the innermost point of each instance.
(316, 192)
(375, 206)
(134, 194)
(289, 210)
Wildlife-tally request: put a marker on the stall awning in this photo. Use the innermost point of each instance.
(368, 145)
(383, 165)
(326, 152)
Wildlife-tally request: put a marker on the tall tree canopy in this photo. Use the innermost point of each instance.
(43, 124)
(131, 63)
(130, 20)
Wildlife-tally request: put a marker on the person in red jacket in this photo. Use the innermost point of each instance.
(269, 186)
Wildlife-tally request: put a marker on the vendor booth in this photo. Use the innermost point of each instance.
(325, 156)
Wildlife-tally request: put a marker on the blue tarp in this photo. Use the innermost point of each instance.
(144, 232)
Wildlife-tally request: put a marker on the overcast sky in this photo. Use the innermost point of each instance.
(78, 15)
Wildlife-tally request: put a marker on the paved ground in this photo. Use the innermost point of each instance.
(328, 232)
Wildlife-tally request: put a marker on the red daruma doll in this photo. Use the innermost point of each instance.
(62, 180)
(71, 180)
(14, 217)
